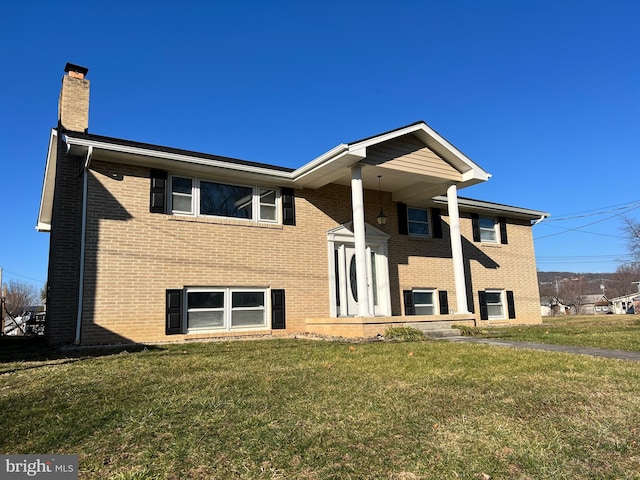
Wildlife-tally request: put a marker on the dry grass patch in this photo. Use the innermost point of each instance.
(316, 410)
(618, 332)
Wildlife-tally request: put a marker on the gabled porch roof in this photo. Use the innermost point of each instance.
(414, 162)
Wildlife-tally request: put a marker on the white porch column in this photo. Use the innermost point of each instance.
(357, 201)
(342, 280)
(456, 250)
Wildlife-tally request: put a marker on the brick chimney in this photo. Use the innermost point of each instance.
(73, 106)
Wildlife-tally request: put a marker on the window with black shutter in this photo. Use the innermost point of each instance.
(403, 223)
(288, 207)
(158, 192)
(475, 225)
(484, 311)
(174, 322)
(503, 230)
(277, 309)
(443, 300)
(436, 220)
(408, 302)
(511, 304)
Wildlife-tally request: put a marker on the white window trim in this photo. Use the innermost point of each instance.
(496, 230)
(428, 222)
(434, 292)
(228, 309)
(193, 203)
(503, 304)
(255, 200)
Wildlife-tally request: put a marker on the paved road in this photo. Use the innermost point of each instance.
(594, 352)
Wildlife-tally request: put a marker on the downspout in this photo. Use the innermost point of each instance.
(539, 220)
(83, 231)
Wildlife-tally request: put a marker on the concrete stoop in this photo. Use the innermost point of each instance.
(436, 329)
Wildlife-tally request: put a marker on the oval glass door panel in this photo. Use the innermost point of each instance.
(353, 278)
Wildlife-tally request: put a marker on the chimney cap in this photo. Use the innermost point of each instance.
(71, 67)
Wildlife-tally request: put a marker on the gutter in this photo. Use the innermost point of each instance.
(189, 159)
(83, 232)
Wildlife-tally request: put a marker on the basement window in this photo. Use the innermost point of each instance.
(225, 309)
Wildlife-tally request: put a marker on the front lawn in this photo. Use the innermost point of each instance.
(619, 332)
(305, 409)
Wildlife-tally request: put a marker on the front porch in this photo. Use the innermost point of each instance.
(366, 327)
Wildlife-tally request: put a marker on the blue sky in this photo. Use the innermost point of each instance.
(545, 95)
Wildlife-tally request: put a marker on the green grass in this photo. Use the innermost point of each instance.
(619, 332)
(274, 409)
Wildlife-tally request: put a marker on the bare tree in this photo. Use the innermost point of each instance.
(20, 296)
(632, 229)
(622, 280)
(573, 292)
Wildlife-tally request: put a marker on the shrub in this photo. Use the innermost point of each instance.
(404, 333)
(467, 331)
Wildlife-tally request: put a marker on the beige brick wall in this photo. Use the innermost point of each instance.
(73, 104)
(133, 256)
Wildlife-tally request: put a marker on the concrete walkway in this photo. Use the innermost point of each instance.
(592, 351)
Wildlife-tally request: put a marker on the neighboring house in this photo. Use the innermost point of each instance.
(594, 305)
(152, 244)
(551, 307)
(627, 303)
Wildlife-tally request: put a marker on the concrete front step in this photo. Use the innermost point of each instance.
(436, 329)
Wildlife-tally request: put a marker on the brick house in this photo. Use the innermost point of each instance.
(153, 244)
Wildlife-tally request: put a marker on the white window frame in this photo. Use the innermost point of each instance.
(428, 223)
(256, 200)
(502, 304)
(228, 309)
(192, 195)
(434, 305)
(484, 230)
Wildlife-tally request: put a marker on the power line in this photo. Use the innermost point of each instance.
(588, 225)
(592, 213)
(23, 276)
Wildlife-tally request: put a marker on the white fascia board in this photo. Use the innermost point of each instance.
(494, 207)
(48, 185)
(316, 163)
(326, 168)
(189, 159)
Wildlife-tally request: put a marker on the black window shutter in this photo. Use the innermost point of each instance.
(484, 311)
(174, 320)
(511, 304)
(403, 222)
(409, 309)
(277, 309)
(158, 194)
(503, 230)
(443, 299)
(437, 222)
(288, 207)
(475, 224)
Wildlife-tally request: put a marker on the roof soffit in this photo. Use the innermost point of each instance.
(48, 185)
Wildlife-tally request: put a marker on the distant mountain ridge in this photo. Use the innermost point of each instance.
(546, 277)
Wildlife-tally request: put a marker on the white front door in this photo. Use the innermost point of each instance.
(343, 272)
(347, 297)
